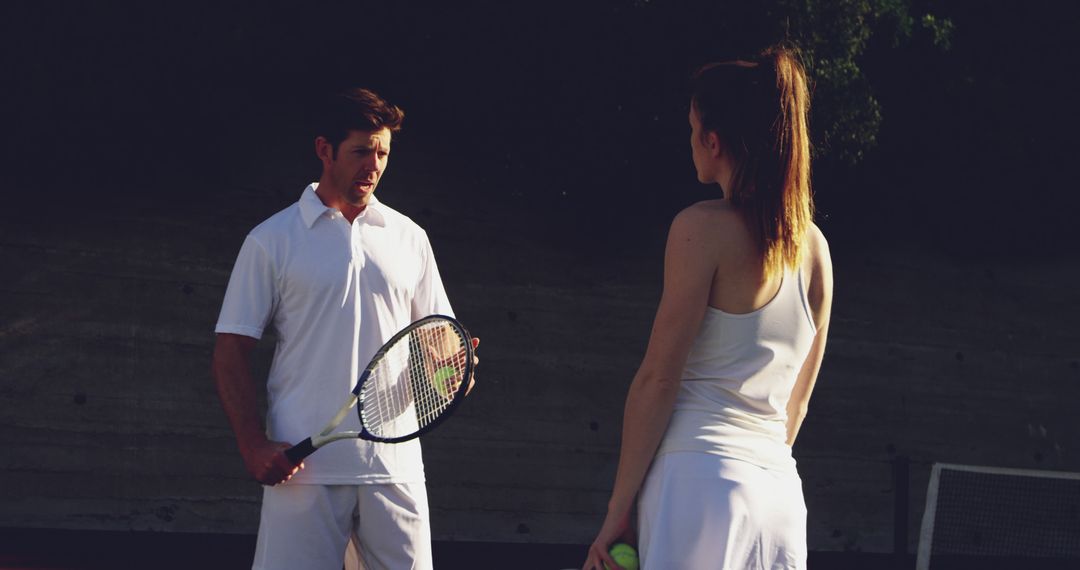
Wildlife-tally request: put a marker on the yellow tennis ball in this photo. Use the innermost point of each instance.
(624, 555)
(441, 380)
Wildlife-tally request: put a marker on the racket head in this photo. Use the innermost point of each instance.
(415, 381)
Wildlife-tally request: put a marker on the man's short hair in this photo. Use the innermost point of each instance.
(355, 109)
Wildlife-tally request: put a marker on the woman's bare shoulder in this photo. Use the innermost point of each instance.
(713, 216)
(817, 246)
(714, 207)
(718, 226)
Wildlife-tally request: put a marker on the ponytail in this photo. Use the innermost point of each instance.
(759, 109)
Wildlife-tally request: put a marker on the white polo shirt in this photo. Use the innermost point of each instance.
(334, 292)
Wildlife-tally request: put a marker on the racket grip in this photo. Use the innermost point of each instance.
(298, 452)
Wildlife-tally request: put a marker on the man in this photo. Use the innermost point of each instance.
(336, 274)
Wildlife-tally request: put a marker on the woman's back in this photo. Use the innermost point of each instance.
(744, 361)
(739, 285)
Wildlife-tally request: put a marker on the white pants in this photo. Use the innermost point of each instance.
(701, 511)
(369, 527)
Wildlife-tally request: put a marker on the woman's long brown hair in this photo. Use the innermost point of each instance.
(759, 110)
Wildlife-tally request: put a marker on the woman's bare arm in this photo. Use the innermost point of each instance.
(689, 265)
(820, 292)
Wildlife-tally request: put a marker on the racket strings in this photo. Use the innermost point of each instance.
(415, 381)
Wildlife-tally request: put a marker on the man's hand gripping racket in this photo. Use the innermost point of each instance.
(413, 383)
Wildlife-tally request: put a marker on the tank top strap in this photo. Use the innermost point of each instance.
(804, 293)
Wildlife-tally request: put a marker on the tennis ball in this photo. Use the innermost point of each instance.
(441, 380)
(624, 555)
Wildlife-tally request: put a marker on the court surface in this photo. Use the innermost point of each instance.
(46, 549)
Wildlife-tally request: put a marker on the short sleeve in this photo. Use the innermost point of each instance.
(430, 297)
(251, 295)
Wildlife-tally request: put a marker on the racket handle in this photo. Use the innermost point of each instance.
(298, 452)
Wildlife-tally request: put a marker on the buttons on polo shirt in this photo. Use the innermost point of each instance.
(355, 241)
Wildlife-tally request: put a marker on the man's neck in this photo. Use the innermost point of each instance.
(332, 199)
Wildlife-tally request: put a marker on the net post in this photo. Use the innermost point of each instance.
(926, 531)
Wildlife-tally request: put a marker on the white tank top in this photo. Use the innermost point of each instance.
(738, 378)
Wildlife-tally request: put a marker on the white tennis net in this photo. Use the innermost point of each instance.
(991, 512)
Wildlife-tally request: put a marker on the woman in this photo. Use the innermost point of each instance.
(737, 342)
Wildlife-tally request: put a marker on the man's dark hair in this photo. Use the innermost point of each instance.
(355, 109)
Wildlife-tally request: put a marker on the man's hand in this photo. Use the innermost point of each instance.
(476, 362)
(448, 362)
(266, 462)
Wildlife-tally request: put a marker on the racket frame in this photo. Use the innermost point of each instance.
(301, 450)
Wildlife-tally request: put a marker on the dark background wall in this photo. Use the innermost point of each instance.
(546, 151)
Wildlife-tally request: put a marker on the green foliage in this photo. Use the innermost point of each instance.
(832, 37)
(940, 29)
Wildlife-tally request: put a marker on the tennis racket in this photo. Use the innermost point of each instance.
(413, 383)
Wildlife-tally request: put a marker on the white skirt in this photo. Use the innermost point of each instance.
(702, 511)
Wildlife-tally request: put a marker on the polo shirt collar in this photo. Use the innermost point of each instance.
(312, 208)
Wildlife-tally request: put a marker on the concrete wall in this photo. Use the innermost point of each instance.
(110, 420)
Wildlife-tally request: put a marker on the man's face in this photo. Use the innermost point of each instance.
(357, 166)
